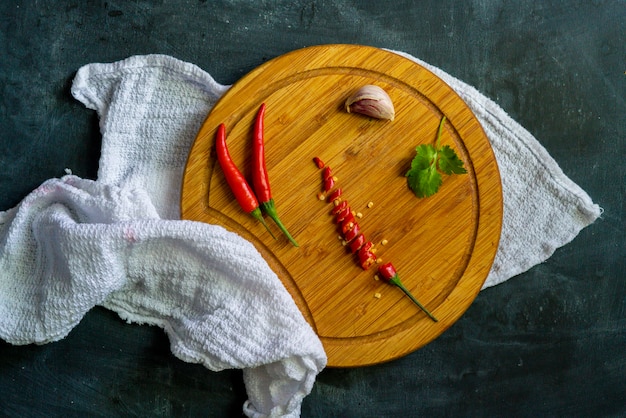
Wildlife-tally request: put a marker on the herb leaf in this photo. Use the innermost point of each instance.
(424, 157)
(449, 162)
(424, 182)
(424, 177)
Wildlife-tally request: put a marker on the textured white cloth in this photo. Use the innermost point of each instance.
(117, 242)
(543, 208)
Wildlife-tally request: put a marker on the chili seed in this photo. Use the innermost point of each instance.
(370, 204)
(384, 242)
(359, 215)
(377, 295)
(321, 196)
(379, 260)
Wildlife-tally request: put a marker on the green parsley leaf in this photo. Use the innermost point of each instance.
(424, 177)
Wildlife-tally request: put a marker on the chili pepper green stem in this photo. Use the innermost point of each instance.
(396, 281)
(270, 208)
(256, 214)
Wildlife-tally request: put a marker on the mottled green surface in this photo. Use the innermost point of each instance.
(551, 342)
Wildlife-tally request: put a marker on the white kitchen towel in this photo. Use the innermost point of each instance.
(72, 244)
(543, 209)
(117, 242)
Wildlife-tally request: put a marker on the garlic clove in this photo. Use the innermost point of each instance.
(373, 101)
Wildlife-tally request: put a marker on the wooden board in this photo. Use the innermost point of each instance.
(443, 246)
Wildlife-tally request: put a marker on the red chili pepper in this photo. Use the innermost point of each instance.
(327, 173)
(388, 273)
(329, 183)
(365, 248)
(260, 178)
(366, 256)
(341, 206)
(347, 223)
(367, 259)
(335, 195)
(342, 214)
(319, 163)
(352, 233)
(357, 243)
(236, 181)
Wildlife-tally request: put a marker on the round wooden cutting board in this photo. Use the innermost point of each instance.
(443, 246)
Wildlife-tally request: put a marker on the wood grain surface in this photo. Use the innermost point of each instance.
(443, 246)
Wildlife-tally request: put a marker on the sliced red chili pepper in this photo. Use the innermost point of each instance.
(388, 273)
(319, 163)
(335, 195)
(352, 233)
(329, 183)
(260, 178)
(342, 214)
(357, 243)
(367, 259)
(327, 173)
(236, 181)
(341, 206)
(365, 248)
(347, 223)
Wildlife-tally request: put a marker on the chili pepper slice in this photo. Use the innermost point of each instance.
(341, 206)
(327, 173)
(319, 163)
(352, 233)
(365, 248)
(236, 181)
(367, 259)
(329, 183)
(348, 223)
(388, 273)
(342, 214)
(335, 195)
(357, 243)
(260, 178)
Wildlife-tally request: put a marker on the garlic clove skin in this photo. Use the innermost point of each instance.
(373, 101)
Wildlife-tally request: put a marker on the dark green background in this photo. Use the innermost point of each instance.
(550, 342)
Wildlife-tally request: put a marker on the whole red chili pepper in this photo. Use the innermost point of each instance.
(237, 182)
(260, 178)
(388, 273)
